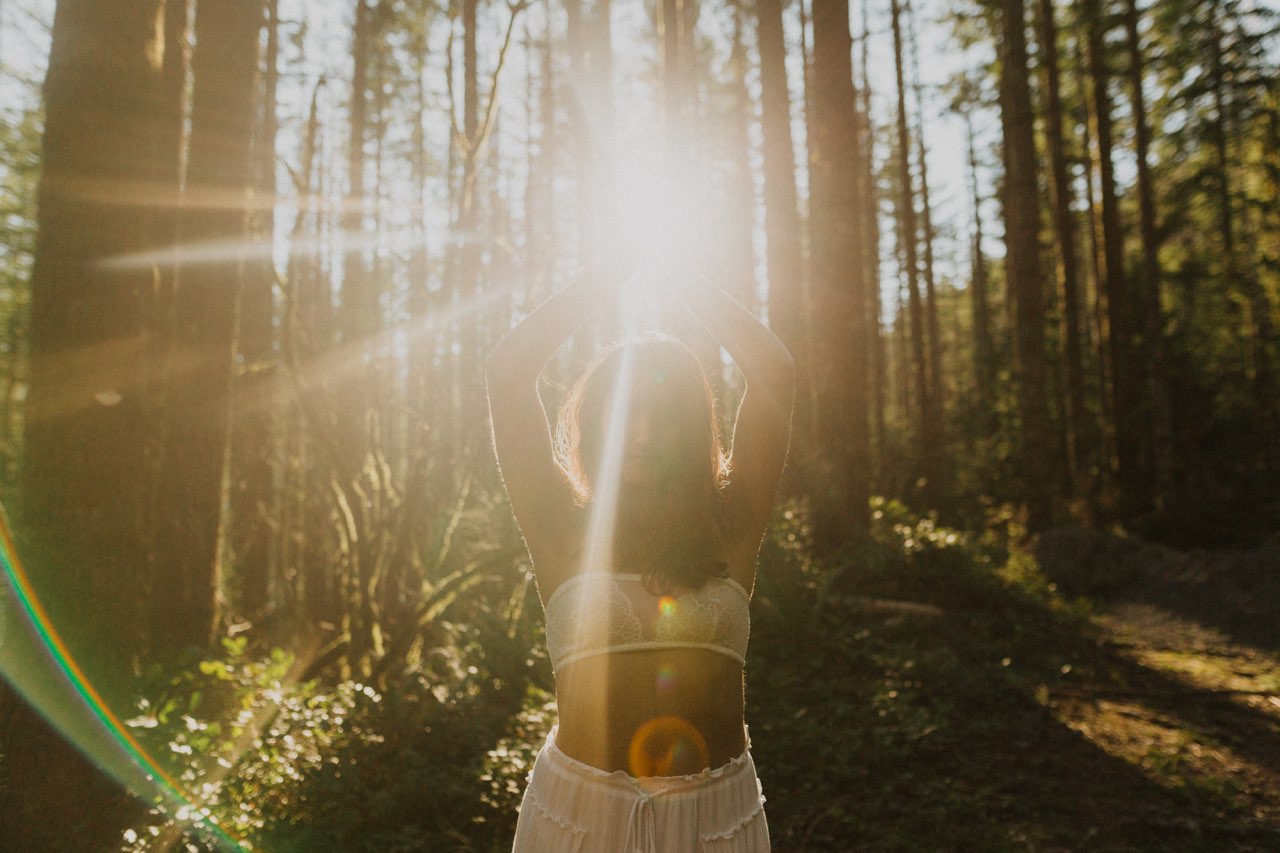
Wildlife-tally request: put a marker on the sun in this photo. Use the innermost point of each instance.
(656, 218)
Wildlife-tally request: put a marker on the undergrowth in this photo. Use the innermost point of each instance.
(899, 698)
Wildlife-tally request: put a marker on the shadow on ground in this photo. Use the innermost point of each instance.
(989, 711)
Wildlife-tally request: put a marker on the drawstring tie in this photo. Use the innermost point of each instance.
(642, 832)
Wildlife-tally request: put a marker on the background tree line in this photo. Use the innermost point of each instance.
(245, 291)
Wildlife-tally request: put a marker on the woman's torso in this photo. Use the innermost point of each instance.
(662, 711)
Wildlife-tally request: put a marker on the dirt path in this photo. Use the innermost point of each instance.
(1108, 695)
(1195, 711)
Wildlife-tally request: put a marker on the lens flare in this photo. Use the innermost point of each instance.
(39, 665)
(666, 746)
(666, 677)
(667, 606)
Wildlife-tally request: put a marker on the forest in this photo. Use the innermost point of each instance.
(260, 585)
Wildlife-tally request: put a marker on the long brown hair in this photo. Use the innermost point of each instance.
(680, 543)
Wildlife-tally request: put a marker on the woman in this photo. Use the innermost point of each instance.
(644, 537)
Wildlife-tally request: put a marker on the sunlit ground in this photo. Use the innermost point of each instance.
(1209, 722)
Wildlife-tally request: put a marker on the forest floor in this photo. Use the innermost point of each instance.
(1109, 696)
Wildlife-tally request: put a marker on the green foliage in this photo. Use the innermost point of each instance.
(432, 762)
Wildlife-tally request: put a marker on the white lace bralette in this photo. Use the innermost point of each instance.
(597, 612)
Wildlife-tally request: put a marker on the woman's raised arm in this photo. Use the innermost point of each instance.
(540, 497)
(762, 428)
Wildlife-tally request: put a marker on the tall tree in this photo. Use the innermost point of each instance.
(215, 210)
(869, 189)
(908, 236)
(1022, 261)
(1152, 333)
(108, 155)
(1064, 226)
(927, 231)
(252, 475)
(842, 372)
(739, 189)
(1127, 376)
(984, 358)
(781, 212)
(86, 425)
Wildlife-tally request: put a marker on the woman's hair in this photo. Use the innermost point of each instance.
(680, 540)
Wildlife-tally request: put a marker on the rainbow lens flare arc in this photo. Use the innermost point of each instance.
(40, 666)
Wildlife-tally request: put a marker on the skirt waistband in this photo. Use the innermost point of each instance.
(650, 785)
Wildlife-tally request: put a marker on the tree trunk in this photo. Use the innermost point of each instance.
(1127, 376)
(876, 341)
(1161, 440)
(1022, 262)
(1095, 297)
(984, 356)
(871, 256)
(107, 160)
(739, 249)
(1080, 448)
(781, 212)
(252, 481)
(841, 370)
(927, 236)
(937, 387)
(86, 425)
(225, 68)
(908, 233)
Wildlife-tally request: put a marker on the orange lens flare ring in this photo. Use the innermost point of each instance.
(666, 743)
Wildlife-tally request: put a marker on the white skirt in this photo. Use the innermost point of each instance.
(572, 807)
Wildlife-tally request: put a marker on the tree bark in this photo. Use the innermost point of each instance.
(781, 212)
(1022, 262)
(984, 357)
(1081, 449)
(841, 370)
(253, 501)
(225, 68)
(1127, 374)
(908, 235)
(108, 158)
(870, 191)
(86, 418)
(1161, 440)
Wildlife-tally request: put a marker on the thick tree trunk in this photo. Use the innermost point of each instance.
(87, 422)
(109, 154)
(225, 68)
(841, 369)
(1022, 262)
